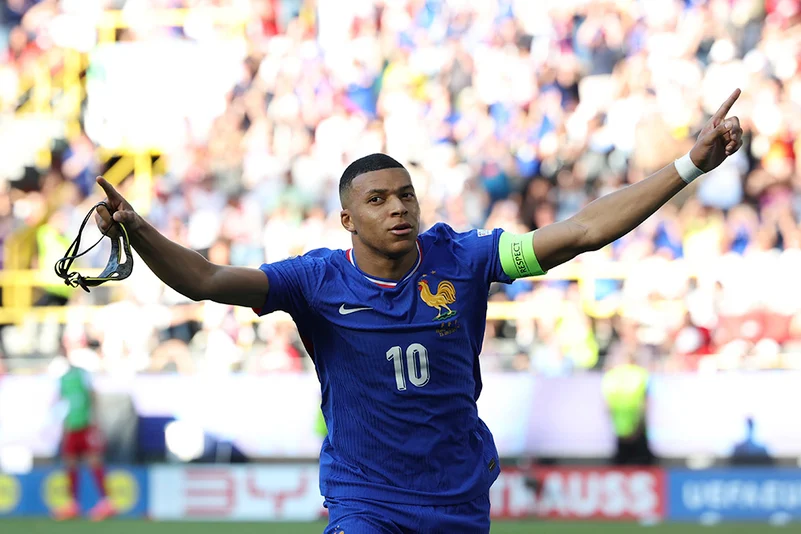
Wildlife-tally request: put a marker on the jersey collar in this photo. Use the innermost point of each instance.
(381, 282)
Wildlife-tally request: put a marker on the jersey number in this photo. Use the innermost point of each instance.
(416, 365)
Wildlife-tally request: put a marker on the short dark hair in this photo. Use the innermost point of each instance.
(373, 162)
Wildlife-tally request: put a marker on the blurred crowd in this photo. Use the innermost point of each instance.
(508, 113)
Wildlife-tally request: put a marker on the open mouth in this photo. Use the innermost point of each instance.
(401, 229)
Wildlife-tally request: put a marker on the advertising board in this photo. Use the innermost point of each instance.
(42, 491)
(743, 494)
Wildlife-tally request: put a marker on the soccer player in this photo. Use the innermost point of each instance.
(394, 327)
(81, 439)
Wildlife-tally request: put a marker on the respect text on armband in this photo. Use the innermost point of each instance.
(517, 256)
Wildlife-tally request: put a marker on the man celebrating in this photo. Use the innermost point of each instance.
(394, 327)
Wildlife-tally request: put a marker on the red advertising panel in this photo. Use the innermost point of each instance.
(272, 493)
(580, 493)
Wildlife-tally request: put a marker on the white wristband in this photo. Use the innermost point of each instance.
(687, 169)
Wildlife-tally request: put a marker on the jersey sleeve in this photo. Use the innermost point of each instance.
(294, 284)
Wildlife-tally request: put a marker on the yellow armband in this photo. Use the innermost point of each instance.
(517, 255)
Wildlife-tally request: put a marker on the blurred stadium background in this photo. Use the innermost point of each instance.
(228, 123)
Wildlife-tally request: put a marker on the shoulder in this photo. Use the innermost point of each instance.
(324, 254)
(317, 257)
(308, 269)
(443, 236)
(296, 282)
(444, 232)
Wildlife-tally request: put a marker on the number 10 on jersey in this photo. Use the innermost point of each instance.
(416, 367)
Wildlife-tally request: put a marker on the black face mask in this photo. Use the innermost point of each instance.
(117, 268)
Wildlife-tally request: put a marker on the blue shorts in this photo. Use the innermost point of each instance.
(359, 516)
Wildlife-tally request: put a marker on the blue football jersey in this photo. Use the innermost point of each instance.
(398, 367)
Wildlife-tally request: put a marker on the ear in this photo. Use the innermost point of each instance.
(347, 221)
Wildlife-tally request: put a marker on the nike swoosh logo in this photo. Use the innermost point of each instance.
(346, 311)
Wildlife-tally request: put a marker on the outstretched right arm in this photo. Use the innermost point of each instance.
(183, 269)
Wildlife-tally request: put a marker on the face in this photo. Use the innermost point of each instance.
(381, 211)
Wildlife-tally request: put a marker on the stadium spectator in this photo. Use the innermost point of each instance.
(82, 439)
(508, 113)
(749, 451)
(625, 390)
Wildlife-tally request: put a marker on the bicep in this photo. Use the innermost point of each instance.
(558, 243)
(238, 286)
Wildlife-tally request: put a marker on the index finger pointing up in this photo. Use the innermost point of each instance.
(724, 109)
(111, 193)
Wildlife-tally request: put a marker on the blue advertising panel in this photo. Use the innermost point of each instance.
(44, 490)
(741, 494)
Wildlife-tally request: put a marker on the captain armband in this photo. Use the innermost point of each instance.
(517, 255)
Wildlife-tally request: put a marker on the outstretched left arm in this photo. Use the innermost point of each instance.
(613, 216)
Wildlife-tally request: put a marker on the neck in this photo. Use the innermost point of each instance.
(373, 263)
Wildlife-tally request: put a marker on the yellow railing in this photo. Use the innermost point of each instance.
(234, 20)
(57, 72)
(52, 88)
(137, 162)
(585, 276)
(55, 88)
(142, 166)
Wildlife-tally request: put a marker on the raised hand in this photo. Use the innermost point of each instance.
(121, 211)
(720, 138)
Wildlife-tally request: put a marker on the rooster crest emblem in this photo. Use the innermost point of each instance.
(445, 295)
